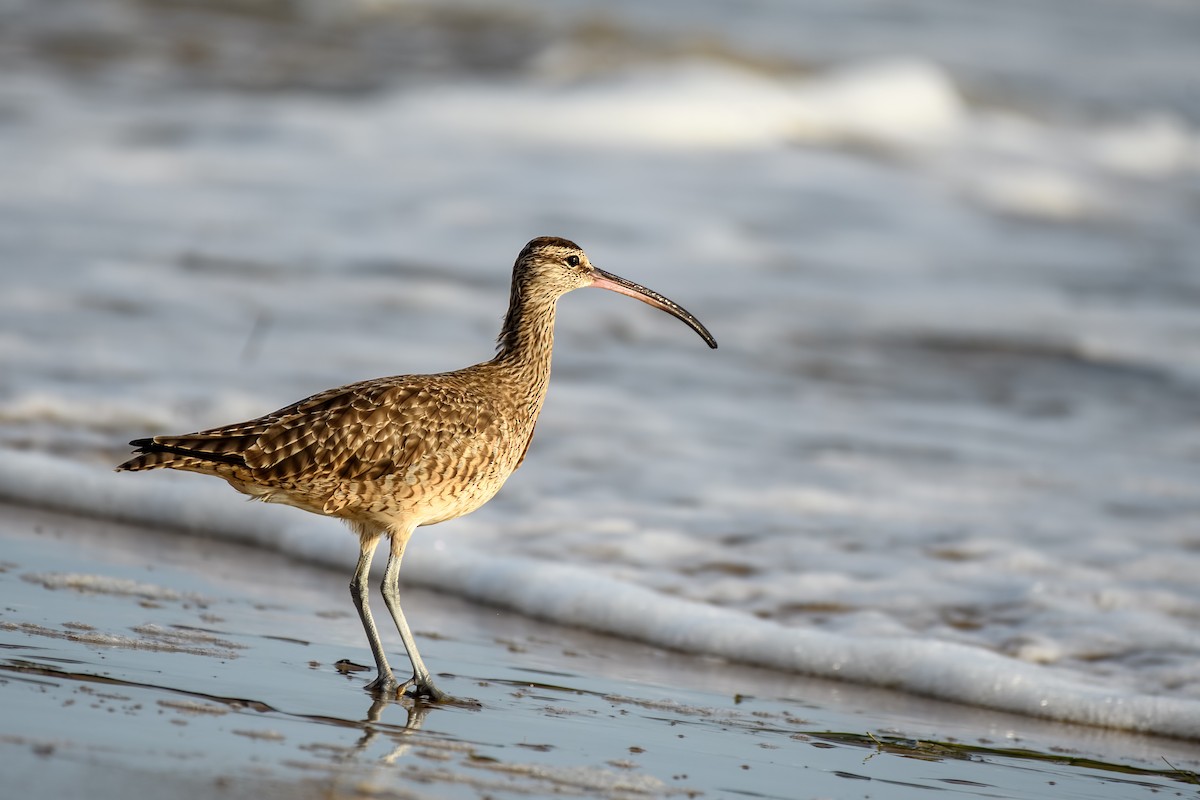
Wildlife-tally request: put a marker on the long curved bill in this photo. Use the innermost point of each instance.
(615, 283)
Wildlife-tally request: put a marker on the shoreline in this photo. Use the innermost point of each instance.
(571, 595)
(127, 653)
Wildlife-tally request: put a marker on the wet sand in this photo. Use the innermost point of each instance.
(143, 662)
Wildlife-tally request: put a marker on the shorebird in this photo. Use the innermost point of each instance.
(393, 454)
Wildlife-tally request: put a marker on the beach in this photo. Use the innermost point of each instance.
(136, 660)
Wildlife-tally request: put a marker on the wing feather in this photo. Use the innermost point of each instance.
(363, 431)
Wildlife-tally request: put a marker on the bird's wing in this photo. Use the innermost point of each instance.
(358, 432)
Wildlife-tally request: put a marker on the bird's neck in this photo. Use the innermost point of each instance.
(527, 340)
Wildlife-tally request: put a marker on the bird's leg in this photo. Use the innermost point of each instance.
(384, 680)
(422, 681)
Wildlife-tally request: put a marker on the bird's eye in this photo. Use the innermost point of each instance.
(572, 261)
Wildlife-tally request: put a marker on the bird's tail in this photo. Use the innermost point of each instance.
(181, 452)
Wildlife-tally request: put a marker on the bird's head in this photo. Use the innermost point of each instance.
(551, 267)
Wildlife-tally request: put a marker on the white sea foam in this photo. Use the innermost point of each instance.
(101, 584)
(1008, 162)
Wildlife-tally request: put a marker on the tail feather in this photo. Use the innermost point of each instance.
(163, 451)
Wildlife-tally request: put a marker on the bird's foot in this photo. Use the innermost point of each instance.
(425, 690)
(386, 687)
(385, 684)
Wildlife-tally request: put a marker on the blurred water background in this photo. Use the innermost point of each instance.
(951, 440)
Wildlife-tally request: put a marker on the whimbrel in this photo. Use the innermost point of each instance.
(392, 454)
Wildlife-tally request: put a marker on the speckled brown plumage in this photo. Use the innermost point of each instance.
(392, 454)
(422, 447)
